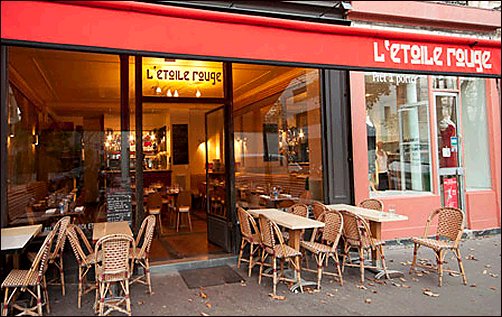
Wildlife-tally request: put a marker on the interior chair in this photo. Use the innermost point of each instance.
(31, 282)
(327, 248)
(56, 254)
(357, 235)
(85, 259)
(154, 207)
(142, 255)
(372, 203)
(183, 208)
(450, 226)
(273, 246)
(286, 203)
(250, 235)
(305, 197)
(111, 255)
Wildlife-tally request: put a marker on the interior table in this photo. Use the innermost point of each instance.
(375, 219)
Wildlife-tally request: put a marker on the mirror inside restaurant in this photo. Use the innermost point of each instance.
(71, 146)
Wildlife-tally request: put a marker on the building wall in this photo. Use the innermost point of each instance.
(482, 206)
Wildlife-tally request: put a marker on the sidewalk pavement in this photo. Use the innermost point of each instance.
(400, 297)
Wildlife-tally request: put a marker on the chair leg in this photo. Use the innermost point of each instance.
(274, 266)
(178, 218)
(5, 306)
(460, 265)
(79, 300)
(361, 263)
(148, 277)
(337, 263)
(384, 266)
(440, 256)
(39, 301)
(61, 273)
(46, 295)
(414, 262)
(189, 220)
(250, 268)
(261, 265)
(299, 270)
(127, 297)
(240, 254)
(320, 260)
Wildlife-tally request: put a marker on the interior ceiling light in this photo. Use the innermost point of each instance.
(169, 93)
(158, 90)
(176, 93)
(198, 94)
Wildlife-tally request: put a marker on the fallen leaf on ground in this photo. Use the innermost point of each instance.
(454, 274)
(485, 271)
(202, 294)
(164, 306)
(396, 284)
(471, 257)
(243, 283)
(493, 288)
(367, 300)
(371, 284)
(208, 305)
(494, 275)
(472, 285)
(203, 314)
(431, 294)
(330, 294)
(403, 263)
(402, 279)
(374, 291)
(420, 274)
(361, 287)
(278, 297)
(141, 302)
(488, 266)
(415, 279)
(405, 286)
(190, 300)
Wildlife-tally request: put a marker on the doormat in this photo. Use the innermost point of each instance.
(218, 275)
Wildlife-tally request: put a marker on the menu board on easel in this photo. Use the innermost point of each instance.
(180, 144)
(118, 207)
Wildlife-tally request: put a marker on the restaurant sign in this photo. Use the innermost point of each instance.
(177, 74)
(397, 53)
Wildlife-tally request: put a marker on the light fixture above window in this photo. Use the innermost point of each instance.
(169, 93)
(176, 93)
(198, 94)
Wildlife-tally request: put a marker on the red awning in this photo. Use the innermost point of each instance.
(148, 27)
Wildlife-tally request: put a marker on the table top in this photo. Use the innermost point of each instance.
(17, 237)
(287, 220)
(102, 229)
(370, 214)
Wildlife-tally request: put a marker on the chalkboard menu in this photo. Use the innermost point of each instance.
(180, 144)
(118, 207)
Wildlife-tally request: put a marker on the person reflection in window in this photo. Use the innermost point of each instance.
(381, 167)
(447, 130)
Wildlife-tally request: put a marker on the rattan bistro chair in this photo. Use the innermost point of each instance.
(85, 259)
(298, 209)
(372, 203)
(273, 245)
(141, 256)
(450, 226)
(250, 235)
(113, 266)
(31, 282)
(356, 234)
(323, 251)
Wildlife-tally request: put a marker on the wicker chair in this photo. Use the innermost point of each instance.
(85, 259)
(141, 257)
(357, 234)
(114, 267)
(298, 209)
(273, 245)
(323, 251)
(372, 203)
(450, 226)
(318, 211)
(154, 207)
(31, 282)
(250, 235)
(285, 203)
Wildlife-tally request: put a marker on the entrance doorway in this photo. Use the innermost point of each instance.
(451, 173)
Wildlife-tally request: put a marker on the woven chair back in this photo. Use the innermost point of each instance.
(75, 236)
(115, 250)
(372, 203)
(154, 200)
(450, 222)
(244, 223)
(39, 264)
(301, 210)
(318, 209)
(61, 226)
(145, 236)
(333, 228)
(267, 232)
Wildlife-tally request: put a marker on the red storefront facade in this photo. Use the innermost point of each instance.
(136, 28)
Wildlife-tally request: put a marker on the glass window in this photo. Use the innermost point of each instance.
(277, 137)
(475, 133)
(397, 122)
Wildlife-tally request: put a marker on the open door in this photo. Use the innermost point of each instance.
(218, 225)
